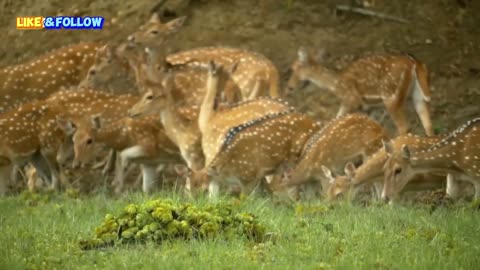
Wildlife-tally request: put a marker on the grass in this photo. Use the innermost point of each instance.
(42, 233)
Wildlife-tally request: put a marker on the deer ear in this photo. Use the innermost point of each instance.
(96, 122)
(350, 170)
(66, 125)
(388, 147)
(328, 173)
(176, 24)
(154, 18)
(406, 152)
(302, 55)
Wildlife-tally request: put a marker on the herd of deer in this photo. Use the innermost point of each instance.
(215, 114)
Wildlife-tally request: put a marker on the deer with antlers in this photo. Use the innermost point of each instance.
(371, 171)
(342, 140)
(245, 142)
(377, 79)
(457, 154)
(45, 74)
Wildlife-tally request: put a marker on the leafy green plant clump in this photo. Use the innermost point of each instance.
(159, 220)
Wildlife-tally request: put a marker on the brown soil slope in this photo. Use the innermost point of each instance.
(444, 34)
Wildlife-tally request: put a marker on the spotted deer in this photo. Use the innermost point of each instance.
(87, 103)
(140, 140)
(107, 65)
(371, 171)
(457, 154)
(181, 130)
(214, 123)
(246, 142)
(351, 137)
(189, 82)
(29, 134)
(45, 74)
(153, 34)
(371, 80)
(83, 103)
(256, 75)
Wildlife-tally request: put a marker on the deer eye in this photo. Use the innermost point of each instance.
(397, 171)
(89, 141)
(154, 32)
(92, 72)
(149, 97)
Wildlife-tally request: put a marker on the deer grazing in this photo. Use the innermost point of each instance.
(75, 104)
(45, 74)
(457, 154)
(87, 103)
(29, 134)
(140, 140)
(388, 79)
(248, 141)
(371, 171)
(342, 140)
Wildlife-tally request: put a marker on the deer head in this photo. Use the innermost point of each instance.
(105, 67)
(397, 170)
(302, 68)
(340, 184)
(155, 98)
(83, 131)
(196, 181)
(154, 32)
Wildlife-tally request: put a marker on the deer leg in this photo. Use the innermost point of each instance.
(126, 155)
(256, 90)
(149, 175)
(476, 185)
(110, 163)
(399, 117)
(15, 174)
(41, 165)
(213, 189)
(344, 109)
(52, 164)
(377, 190)
(453, 190)
(119, 177)
(423, 110)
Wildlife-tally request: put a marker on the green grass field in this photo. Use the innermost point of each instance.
(42, 233)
